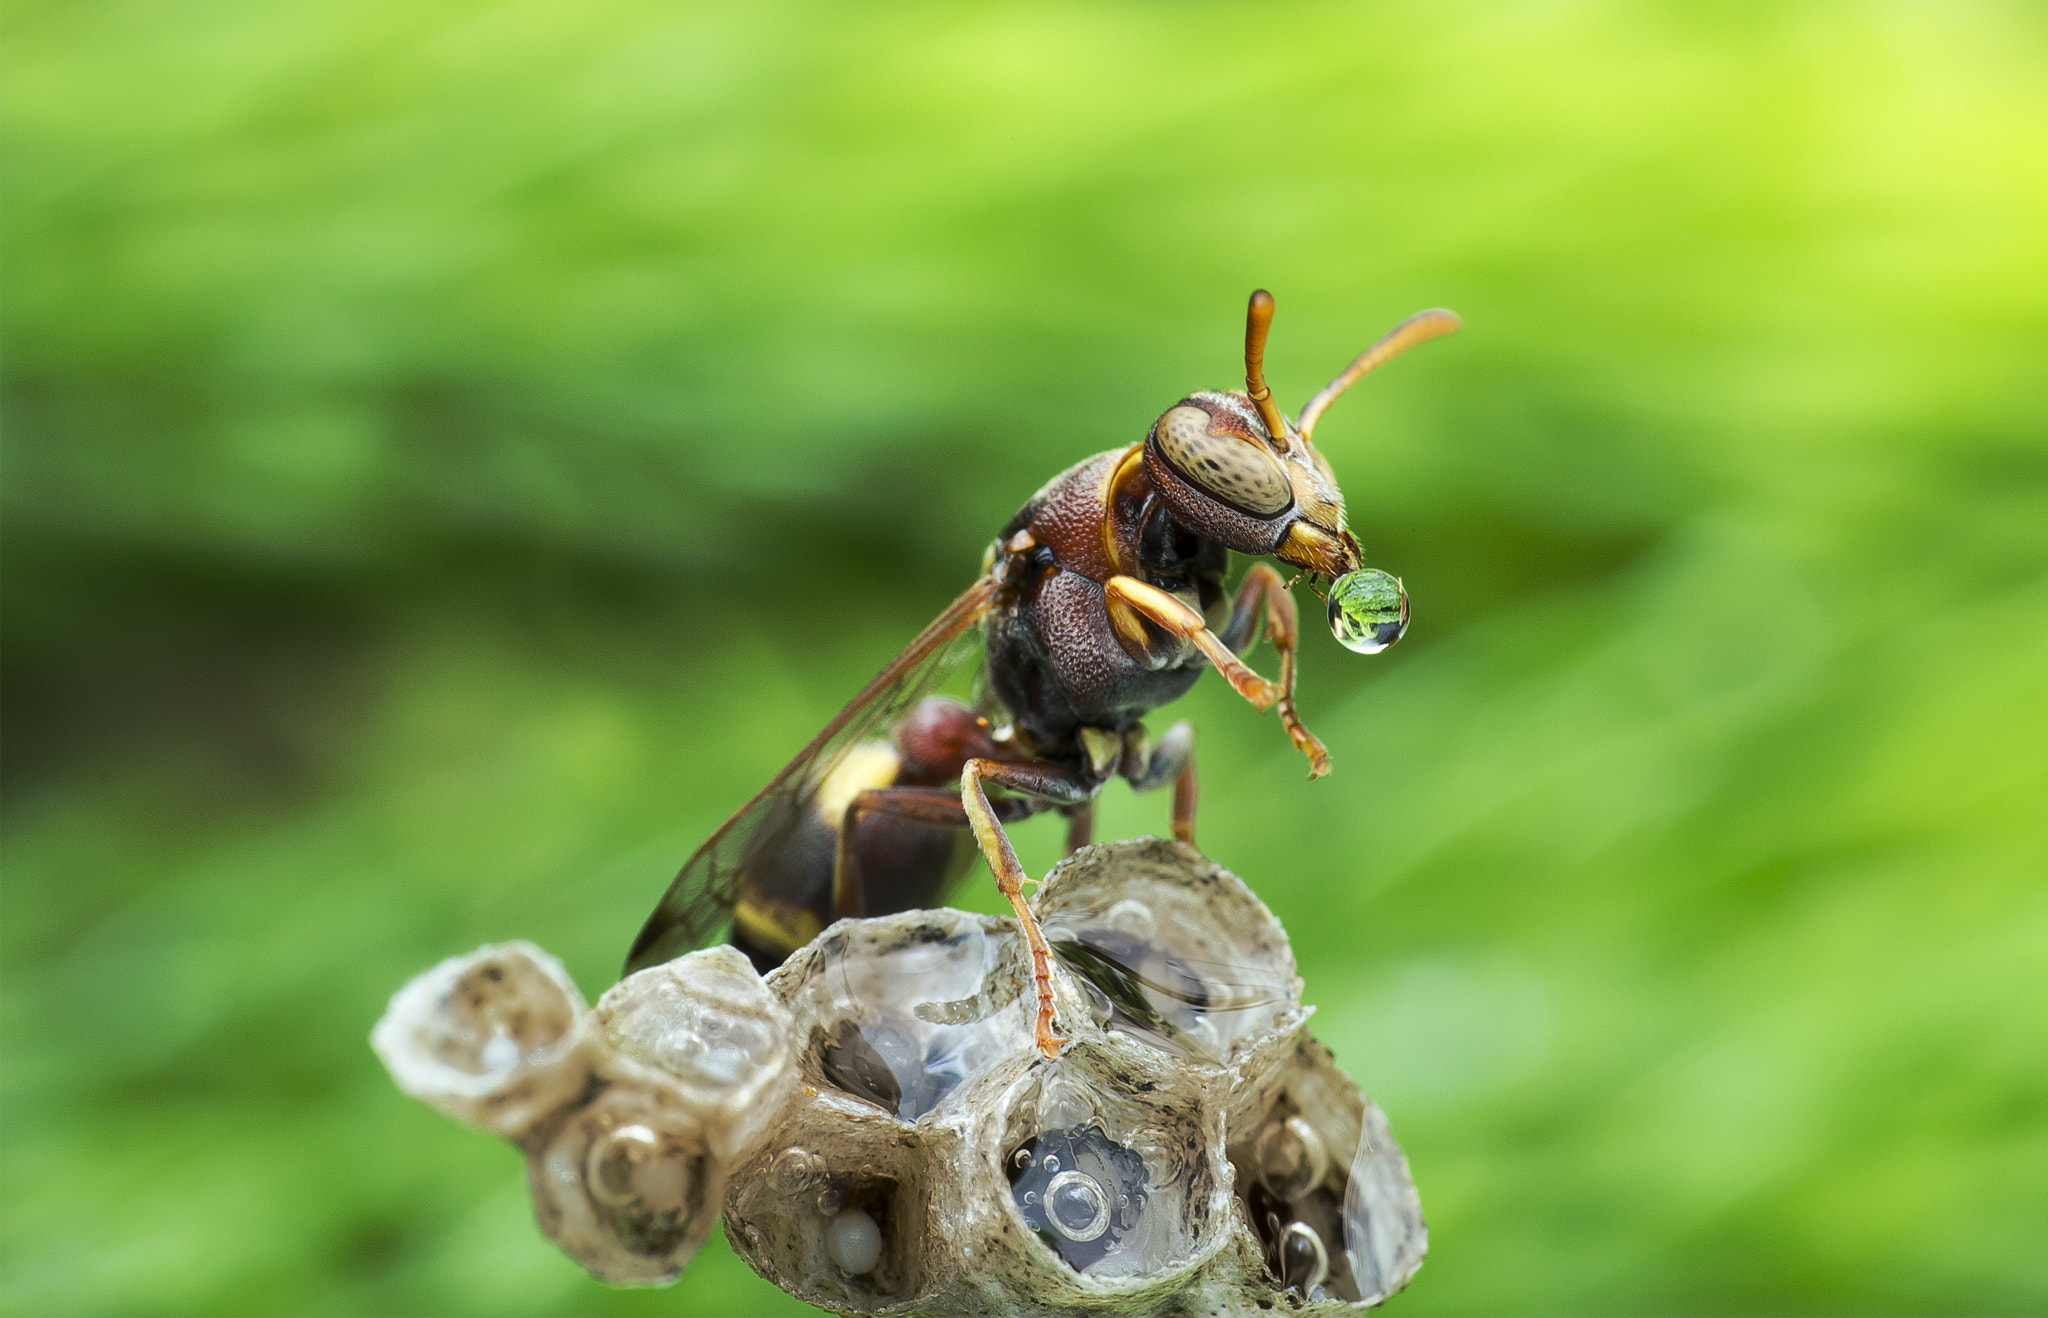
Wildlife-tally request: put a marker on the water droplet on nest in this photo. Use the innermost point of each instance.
(794, 1170)
(1076, 1206)
(1086, 1210)
(500, 1054)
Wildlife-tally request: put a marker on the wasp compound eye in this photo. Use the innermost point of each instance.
(1228, 468)
(1368, 610)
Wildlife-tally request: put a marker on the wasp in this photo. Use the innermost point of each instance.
(1101, 600)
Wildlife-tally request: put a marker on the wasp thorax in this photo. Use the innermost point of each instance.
(1232, 469)
(883, 1136)
(1368, 610)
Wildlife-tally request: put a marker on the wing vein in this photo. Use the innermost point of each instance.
(703, 893)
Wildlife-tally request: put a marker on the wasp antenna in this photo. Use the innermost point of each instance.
(1418, 328)
(1258, 318)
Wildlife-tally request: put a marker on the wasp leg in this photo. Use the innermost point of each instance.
(1148, 768)
(1187, 792)
(1262, 586)
(1047, 783)
(890, 855)
(1132, 603)
(1080, 827)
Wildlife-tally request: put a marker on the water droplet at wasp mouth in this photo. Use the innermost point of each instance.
(1101, 600)
(1368, 610)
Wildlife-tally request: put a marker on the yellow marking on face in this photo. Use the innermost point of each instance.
(1131, 462)
(1317, 550)
(867, 764)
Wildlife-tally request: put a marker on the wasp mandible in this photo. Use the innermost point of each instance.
(1100, 601)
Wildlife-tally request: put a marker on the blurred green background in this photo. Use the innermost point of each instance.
(456, 451)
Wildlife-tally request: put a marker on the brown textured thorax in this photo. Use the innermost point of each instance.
(1069, 521)
(1053, 656)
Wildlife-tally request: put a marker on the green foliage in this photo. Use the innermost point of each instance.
(454, 452)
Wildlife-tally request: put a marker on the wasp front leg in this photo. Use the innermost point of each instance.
(1132, 602)
(1047, 783)
(1262, 591)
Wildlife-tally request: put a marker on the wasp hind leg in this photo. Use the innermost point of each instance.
(1047, 783)
(900, 848)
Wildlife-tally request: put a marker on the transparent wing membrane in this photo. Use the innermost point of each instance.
(699, 903)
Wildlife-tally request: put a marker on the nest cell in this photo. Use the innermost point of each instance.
(884, 1137)
(491, 1039)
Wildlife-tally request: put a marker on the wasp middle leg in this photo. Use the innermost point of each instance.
(1080, 826)
(1048, 783)
(1148, 767)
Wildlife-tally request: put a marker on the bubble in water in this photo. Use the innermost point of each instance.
(794, 1170)
(854, 1242)
(1130, 916)
(500, 1054)
(1086, 1210)
(1076, 1206)
(1304, 1262)
(1368, 610)
(1291, 1158)
(629, 1168)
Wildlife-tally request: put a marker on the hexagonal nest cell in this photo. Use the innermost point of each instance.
(883, 1136)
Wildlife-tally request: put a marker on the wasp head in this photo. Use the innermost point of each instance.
(1232, 467)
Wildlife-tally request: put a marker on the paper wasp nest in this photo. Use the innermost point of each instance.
(883, 1137)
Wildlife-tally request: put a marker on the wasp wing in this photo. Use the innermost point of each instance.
(700, 900)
